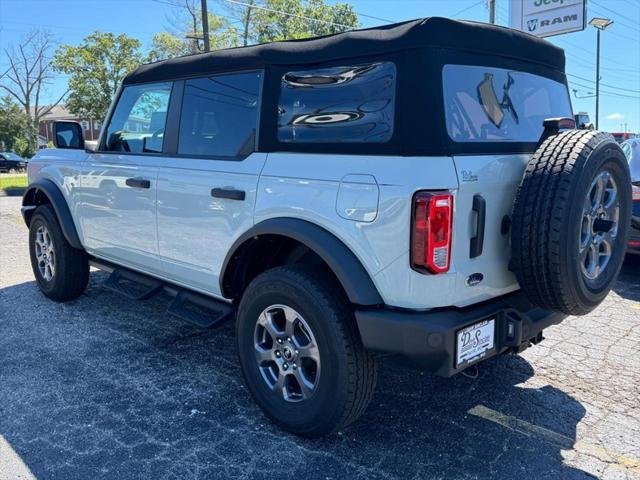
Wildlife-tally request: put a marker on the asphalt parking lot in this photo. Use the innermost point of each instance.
(104, 387)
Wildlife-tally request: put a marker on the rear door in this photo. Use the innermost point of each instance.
(118, 185)
(207, 190)
(493, 110)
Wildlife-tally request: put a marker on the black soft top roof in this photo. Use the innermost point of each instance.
(428, 32)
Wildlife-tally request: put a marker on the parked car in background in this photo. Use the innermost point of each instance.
(623, 136)
(11, 161)
(631, 149)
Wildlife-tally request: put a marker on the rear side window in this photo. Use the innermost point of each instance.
(484, 104)
(338, 104)
(137, 123)
(219, 115)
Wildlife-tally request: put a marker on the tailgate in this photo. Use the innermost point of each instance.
(493, 180)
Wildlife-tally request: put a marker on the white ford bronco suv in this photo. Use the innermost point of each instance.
(417, 189)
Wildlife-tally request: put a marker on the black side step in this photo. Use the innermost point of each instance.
(132, 285)
(190, 306)
(200, 310)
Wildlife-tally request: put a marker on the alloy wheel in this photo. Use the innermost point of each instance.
(45, 254)
(286, 353)
(599, 229)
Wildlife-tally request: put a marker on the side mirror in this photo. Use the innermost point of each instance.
(68, 135)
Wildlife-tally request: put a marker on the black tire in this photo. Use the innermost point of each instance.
(71, 274)
(548, 218)
(348, 374)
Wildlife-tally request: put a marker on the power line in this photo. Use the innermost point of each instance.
(465, 9)
(604, 84)
(622, 22)
(349, 27)
(376, 18)
(588, 62)
(621, 95)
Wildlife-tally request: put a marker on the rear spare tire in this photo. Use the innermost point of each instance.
(570, 221)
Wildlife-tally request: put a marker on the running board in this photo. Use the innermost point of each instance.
(199, 310)
(132, 285)
(203, 311)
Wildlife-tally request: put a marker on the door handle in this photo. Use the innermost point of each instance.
(477, 242)
(138, 183)
(228, 193)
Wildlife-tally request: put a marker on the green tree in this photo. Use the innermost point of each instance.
(15, 126)
(95, 68)
(165, 45)
(275, 20)
(22, 148)
(257, 22)
(184, 33)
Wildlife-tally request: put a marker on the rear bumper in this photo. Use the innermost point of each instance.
(429, 338)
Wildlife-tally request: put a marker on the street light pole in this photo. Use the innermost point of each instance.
(600, 24)
(205, 24)
(597, 78)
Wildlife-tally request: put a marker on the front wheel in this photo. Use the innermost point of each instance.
(300, 351)
(61, 271)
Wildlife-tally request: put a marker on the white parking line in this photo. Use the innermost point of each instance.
(11, 465)
(622, 462)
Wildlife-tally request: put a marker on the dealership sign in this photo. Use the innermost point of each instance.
(545, 18)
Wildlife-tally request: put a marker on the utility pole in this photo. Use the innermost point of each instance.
(492, 11)
(600, 24)
(246, 22)
(205, 24)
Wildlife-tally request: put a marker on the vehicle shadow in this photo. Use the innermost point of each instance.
(103, 387)
(628, 285)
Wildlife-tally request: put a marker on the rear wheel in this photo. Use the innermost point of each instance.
(61, 271)
(300, 351)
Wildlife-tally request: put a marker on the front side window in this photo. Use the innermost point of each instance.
(484, 104)
(354, 104)
(219, 115)
(138, 121)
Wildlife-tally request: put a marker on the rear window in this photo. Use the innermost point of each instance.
(354, 104)
(484, 104)
(219, 115)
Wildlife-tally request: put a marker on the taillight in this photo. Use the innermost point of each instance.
(431, 231)
(635, 193)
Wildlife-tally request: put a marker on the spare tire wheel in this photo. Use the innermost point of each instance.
(571, 219)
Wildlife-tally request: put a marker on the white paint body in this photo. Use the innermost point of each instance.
(177, 231)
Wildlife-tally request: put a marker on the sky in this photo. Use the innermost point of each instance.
(71, 20)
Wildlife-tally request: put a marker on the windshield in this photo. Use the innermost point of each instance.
(485, 104)
(11, 156)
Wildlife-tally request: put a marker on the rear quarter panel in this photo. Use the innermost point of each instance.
(307, 186)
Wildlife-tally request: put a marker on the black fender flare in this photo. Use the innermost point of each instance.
(355, 280)
(59, 204)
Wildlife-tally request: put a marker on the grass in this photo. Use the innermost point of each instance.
(13, 181)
